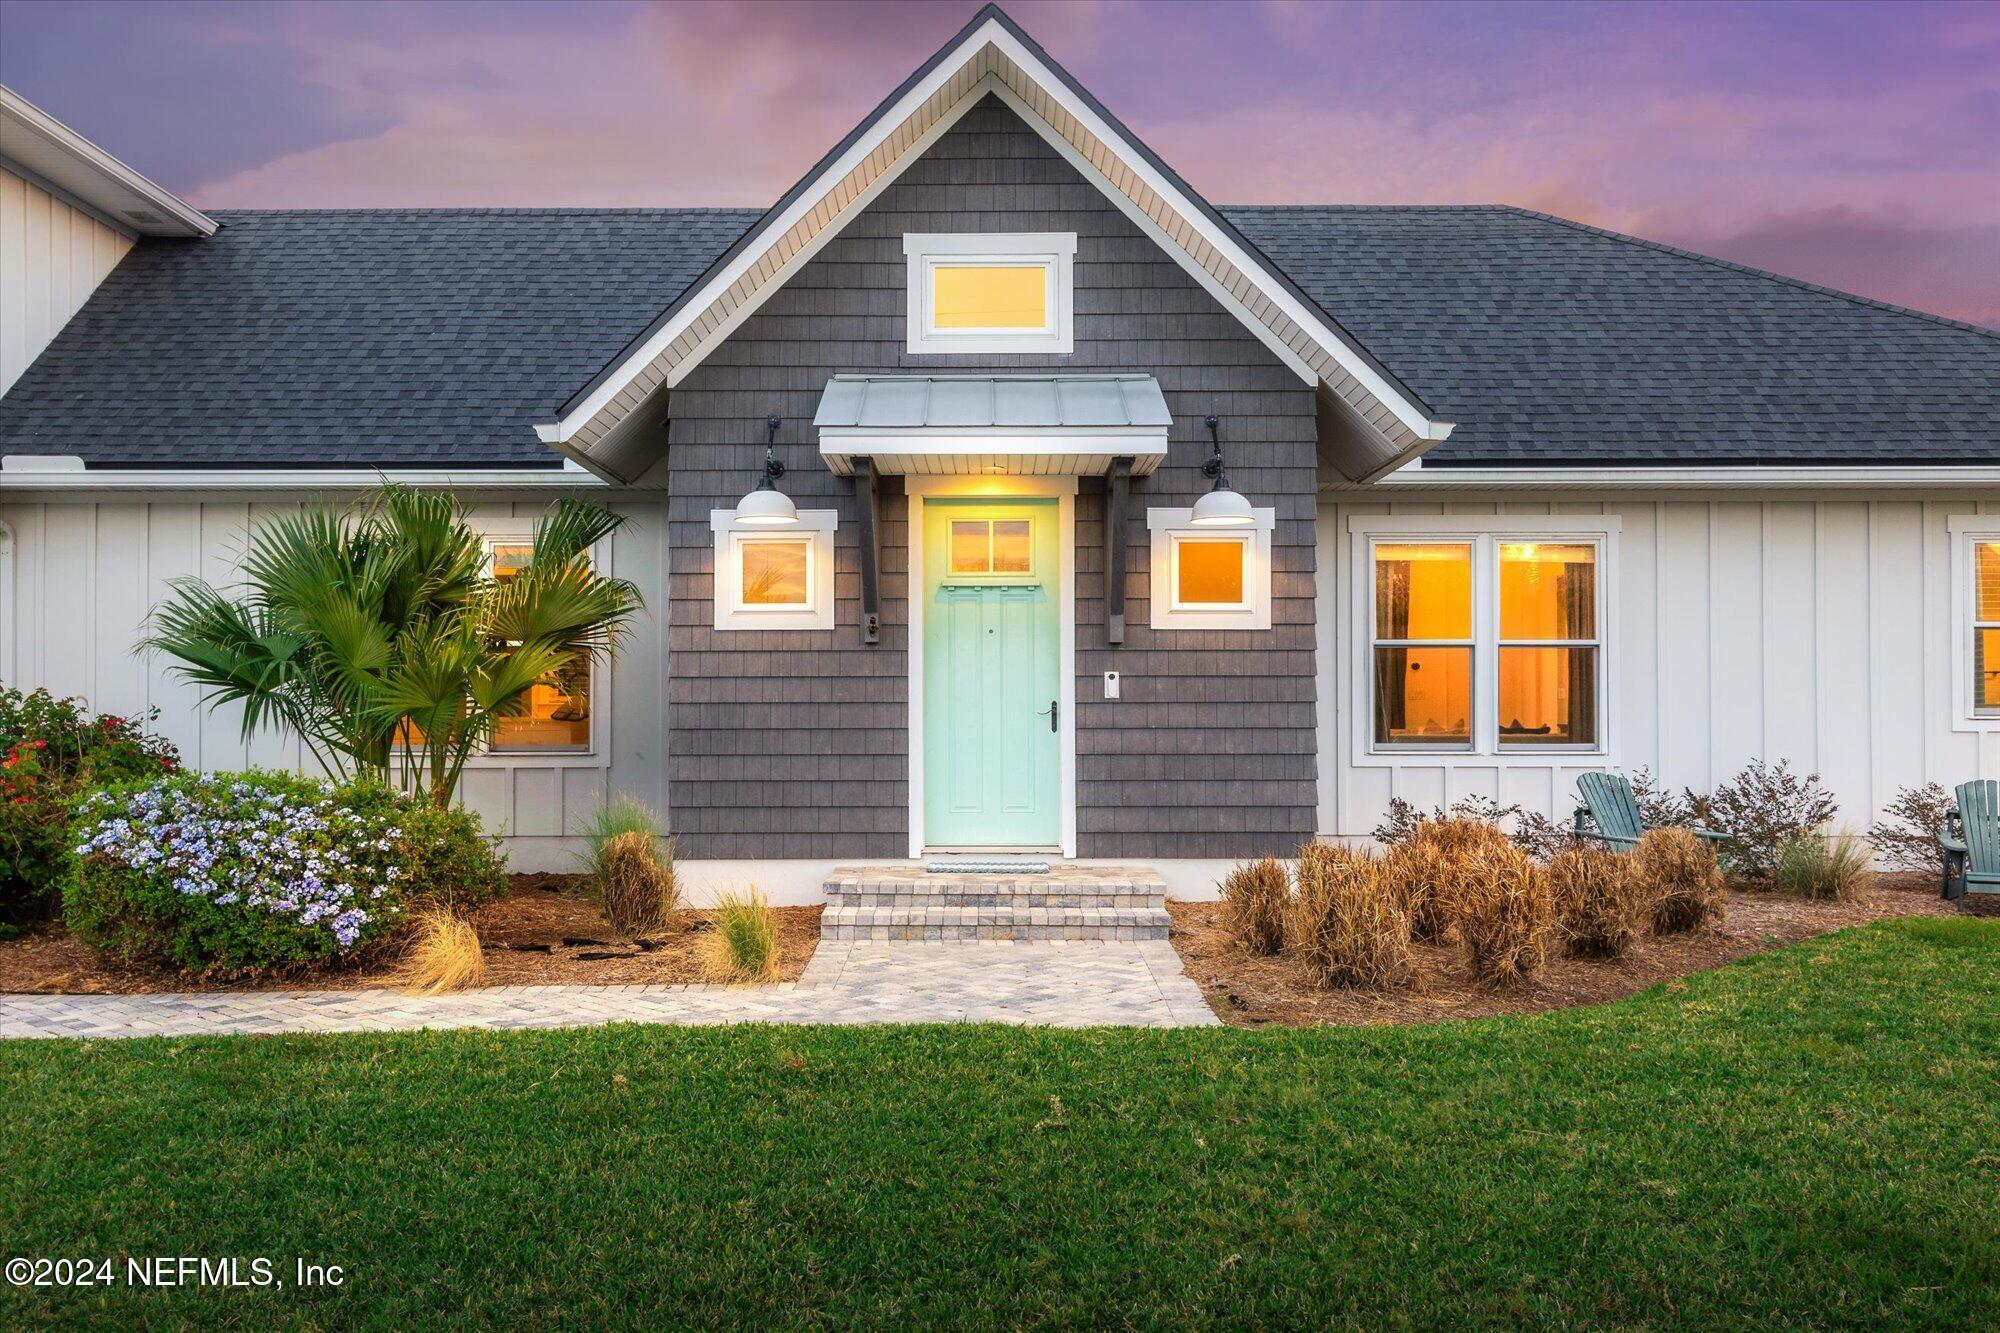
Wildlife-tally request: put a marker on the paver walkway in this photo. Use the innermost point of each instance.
(1060, 984)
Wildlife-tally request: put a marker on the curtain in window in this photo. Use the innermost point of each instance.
(1392, 621)
(1579, 602)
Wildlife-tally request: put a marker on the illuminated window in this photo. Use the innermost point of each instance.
(1208, 571)
(1548, 644)
(774, 579)
(1205, 578)
(1483, 641)
(1423, 643)
(1986, 627)
(990, 293)
(557, 716)
(776, 570)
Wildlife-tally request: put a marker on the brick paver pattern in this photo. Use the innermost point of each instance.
(1055, 983)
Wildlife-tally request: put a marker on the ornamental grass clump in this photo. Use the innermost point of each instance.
(631, 866)
(1425, 872)
(1822, 865)
(1256, 898)
(443, 954)
(1599, 908)
(1677, 873)
(1345, 927)
(635, 883)
(744, 944)
(1505, 913)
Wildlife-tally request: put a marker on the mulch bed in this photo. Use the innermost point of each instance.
(1257, 992)
(543, 932)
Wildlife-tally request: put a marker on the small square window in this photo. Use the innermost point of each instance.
(774, 580)
(1205, 579)
(991, 293)
(775, 571)
(1208, 571)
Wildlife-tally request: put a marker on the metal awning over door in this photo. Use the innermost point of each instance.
(996, 425)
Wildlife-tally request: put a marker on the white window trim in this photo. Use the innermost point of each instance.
(1484, 534)
(1254, 613)
(1055, 252)
(1967, 530)
(817, 525)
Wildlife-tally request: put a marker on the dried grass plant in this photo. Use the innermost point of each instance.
(1677, 873)
(635, 884)
(1256, 898)
(1346, 928)
(1600, 908)
(443, 955)
(1505, 913)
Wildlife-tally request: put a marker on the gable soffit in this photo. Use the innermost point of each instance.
(1380, 423)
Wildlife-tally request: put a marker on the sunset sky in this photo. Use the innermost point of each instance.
(1850, 144)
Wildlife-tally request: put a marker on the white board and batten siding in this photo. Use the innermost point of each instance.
(86, 574)
(1815, 630)
(52, 256)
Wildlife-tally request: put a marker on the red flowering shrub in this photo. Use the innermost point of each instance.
(55, 752)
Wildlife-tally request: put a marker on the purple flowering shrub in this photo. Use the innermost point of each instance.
(242, 872)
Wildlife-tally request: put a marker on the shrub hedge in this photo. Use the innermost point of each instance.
(227, 874)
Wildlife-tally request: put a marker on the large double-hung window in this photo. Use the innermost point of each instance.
(1488, 642)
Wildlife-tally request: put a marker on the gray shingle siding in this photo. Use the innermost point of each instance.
(795, 744)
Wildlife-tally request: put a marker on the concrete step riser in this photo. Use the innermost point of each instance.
(1019, 932)
(927, 898)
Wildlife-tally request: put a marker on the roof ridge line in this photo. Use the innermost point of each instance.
(1735, 267)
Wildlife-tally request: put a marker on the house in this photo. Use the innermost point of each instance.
(1112, 525)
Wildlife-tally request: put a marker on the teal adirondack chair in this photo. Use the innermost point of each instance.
(1608, 803)
(1971, 840)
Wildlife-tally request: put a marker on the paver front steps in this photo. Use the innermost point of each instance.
(1068, 903)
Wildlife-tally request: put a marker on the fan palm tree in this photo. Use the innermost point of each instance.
(378, 632)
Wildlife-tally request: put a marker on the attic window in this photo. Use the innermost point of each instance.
(990, 293)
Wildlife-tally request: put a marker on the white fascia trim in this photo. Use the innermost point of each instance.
(806, 203)
(989, 33)
(569, 477)
(33, 120)
(1416, 475)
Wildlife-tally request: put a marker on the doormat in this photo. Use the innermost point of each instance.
(986, 867)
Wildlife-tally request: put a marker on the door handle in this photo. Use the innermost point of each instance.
(1054, 712)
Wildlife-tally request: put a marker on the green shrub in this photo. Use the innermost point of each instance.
(447, 858)
(1255, 899)
(226, 874)
(51, 752)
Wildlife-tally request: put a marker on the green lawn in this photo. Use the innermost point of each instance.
(1811, 1137)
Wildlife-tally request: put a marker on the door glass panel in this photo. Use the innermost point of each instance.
(1547, 591)
(1211, 572)
(1423, 591)
(971, 546)
(1548, 696)
(1010, 546)
(774, 573)
(1012, 296)
(1423, 695)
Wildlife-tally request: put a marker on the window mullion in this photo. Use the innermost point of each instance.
(1485, 649)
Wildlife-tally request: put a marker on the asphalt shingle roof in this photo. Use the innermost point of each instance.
(431, 337)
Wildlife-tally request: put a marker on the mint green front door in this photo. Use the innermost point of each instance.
(992, 666)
